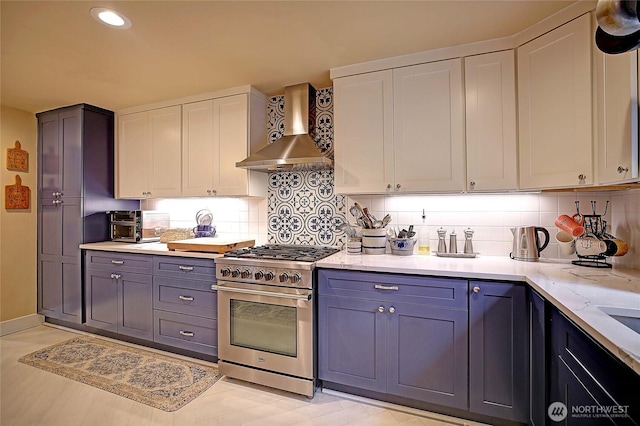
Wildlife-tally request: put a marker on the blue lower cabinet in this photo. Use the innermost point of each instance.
(381, 343)
(453, 343)
(352, 343)
(427, 354)
(119, 302)
(587, 384)
(498, 350)
(538, 390)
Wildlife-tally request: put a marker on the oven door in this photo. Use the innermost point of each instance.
(266, 327)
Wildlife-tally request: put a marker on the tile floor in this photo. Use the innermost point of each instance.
(29, 396)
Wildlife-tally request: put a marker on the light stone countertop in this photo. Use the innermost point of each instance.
(146, 248)
(577, 291)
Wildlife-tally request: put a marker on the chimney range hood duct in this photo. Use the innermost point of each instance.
(296, 150)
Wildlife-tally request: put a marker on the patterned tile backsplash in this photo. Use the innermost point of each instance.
(302, 207)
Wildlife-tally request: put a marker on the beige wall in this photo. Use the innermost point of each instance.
(18, 227)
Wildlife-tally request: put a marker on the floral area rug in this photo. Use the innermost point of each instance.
(150, 378)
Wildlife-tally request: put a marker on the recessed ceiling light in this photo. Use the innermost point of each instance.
(110, 17)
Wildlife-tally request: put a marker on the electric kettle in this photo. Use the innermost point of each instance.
(526, 243)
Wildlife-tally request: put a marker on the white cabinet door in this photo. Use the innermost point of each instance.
(134, 155)
(363, 133)
(165, 127)
(617, 142)
(197, 149)
(491, 122)
(230, 144)
(554, 98)
(428, 127)
(149, 154)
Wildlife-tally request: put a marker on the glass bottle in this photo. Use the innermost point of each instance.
(423, 236)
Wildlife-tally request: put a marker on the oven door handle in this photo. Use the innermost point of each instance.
(302, 297)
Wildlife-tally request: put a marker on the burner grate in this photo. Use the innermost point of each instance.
(299, 253)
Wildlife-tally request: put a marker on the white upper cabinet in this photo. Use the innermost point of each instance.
(149, 152)
(197, 149)
(428, 127)
(363, 133)
(215, 138)
(555, 108)
(490, 97)
(400, 130)
(192, 149)
(617, 94)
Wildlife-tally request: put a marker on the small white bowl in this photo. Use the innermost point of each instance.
(402, 246)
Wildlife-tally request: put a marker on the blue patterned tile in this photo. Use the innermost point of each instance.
(302, 207)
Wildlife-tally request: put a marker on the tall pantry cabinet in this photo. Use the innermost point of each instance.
(75, 189)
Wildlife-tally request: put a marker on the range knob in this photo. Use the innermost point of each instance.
(245, 274)
(258, 275)
(284, 277)
(269, 276)
(295, 278)
(225, 272)
(235, 273)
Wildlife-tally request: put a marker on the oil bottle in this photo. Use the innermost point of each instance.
(423, 236)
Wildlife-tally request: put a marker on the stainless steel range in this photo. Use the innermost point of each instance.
(266, 315)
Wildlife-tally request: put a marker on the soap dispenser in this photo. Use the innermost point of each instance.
(423, 236)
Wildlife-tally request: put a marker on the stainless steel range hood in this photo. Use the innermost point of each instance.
(296, 150)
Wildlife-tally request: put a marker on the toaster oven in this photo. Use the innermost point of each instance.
(137, 226)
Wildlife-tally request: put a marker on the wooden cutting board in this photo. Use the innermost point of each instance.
(17, 196)
(209, 245)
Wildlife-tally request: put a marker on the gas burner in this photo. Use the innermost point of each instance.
(300, 253)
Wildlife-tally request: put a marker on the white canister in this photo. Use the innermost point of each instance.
(354, 246)
(374, 240)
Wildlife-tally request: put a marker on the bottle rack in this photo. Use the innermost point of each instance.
(594, 226)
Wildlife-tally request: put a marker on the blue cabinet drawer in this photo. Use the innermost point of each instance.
(185, 267)
(187, 332)
(443, 292)
(189, 297)
(118, 262)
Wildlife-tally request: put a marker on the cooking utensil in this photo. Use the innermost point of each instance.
(385, 220)
(617, 17)
(613, 45)
(355, 212)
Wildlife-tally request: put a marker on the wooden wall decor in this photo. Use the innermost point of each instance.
(17, 197)
(17, 158)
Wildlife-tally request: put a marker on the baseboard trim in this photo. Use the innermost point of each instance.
(19, 324)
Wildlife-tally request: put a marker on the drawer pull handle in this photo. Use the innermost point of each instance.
(186, 298)
(187, 333)
(118, 262)
(386, 287)
(185, 268)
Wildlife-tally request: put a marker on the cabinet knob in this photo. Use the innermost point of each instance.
(472, 185)
(388, 186)
(622, 169)
(582, 177)
(208, 192)
(381, 309)
(392, 310)
(398, 186)
(116, 276)
(476, 289)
